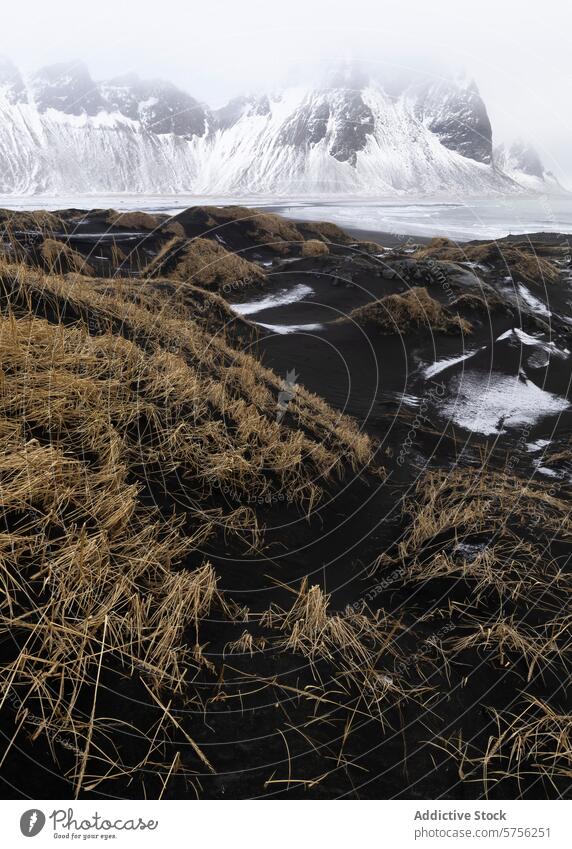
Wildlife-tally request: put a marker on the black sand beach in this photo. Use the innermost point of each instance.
(376, 431)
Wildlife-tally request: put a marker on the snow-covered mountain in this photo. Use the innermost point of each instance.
(522, 163)
(61, 132)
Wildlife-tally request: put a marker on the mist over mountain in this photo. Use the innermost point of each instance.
(349, 132)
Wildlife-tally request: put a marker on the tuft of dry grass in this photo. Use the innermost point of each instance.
(247, 643)
(535, 742)
(440, 247)
(353, 641)
(59, 258)
(314, 247)
(513, 640)
(476, 525)
(370, 247)
(484, 303)
(410, 312)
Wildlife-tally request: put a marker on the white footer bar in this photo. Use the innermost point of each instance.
(288, 824)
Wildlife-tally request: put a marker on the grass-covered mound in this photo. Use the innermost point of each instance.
(410, 312)
(123, 419)
(204, 263)
(59, 258)
(524, 262)
(39, 220)
(324, 231)
(142, 221)
(239, 227)
(483, 302)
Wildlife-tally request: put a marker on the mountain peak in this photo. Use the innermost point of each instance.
(66, 87)
(455, 112)
(157, 104)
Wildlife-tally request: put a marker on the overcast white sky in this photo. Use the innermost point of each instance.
(518, 52)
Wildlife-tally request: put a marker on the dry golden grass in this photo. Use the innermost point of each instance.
(438, 248)
(492, 511)
(524, 262)
(125, 388)
(241, 227)
(86, 569)
(246, 644)
(482, 303)
(14, 230)
(313, 247)
(326, 231)
(204, 263)
(353, 642)
(505, 541)
(535, 742)
(513, 640)
(187, 412)
(370, 247)
(542, 248)
(235, 382)
(59, 258)
(46, 222)
(263, 224)
(412, 311)
(143, 221)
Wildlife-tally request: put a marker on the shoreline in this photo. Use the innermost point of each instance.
(414, 219)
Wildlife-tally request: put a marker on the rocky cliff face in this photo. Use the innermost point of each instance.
(457, 115)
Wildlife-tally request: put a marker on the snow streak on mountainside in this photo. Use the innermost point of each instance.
(62, 133)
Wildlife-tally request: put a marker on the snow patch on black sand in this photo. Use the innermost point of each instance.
(543, 350)
(291, 328)
(489, 403)
(279, 299)
(441, 365)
